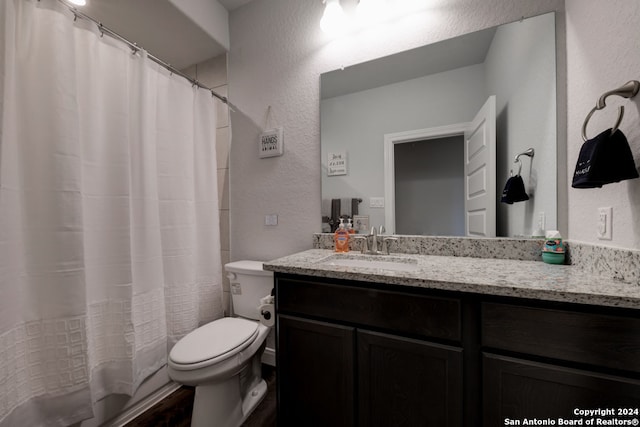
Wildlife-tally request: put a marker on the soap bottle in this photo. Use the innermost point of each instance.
(350, 228)
(341, 238)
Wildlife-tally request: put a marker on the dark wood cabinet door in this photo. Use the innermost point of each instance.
(315, 373)
(406, 382)
(516, 389)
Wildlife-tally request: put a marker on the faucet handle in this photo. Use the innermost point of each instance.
(364, 247)
(385, 244)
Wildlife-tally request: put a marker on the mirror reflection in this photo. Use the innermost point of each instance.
(423, 142)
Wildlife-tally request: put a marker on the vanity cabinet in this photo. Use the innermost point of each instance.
(352, 355)
(357, 353)
(542, 362)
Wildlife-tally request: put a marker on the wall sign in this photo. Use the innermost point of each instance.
(271, 143)
(337, 163)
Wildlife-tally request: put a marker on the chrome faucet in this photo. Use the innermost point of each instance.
(385, 243)
(375, 235)
(374, 241)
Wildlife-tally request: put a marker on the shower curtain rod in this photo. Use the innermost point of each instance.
(105, 30)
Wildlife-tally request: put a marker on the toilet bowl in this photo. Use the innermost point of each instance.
(222, 358)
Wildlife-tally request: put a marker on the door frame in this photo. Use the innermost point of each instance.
(390, 140)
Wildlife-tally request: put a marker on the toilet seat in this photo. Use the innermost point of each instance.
(213, 343)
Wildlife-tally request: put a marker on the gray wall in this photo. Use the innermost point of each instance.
(429, 177)
(525, 124)
(357, 123)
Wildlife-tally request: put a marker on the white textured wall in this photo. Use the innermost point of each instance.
(603, 52)
(277, 55)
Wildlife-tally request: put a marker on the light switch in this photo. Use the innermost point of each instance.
(271, 219)
(376, 202)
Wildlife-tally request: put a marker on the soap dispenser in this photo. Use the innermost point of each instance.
(341, 238)
(350, 228)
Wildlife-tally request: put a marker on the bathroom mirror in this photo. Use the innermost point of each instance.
(393, 133)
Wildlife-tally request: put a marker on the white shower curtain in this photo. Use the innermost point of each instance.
(109, 239)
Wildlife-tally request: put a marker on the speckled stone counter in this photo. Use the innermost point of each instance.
(503, 248)
(611, 263)
(489, 276)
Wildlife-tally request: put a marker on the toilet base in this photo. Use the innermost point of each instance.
(253, 399)
(228, 410)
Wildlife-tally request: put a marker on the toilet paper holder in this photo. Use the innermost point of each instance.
(266, 309)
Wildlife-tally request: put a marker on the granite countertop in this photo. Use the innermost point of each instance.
(501, 277)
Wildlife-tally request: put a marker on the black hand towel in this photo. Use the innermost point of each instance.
(514, 191)
(604, 159)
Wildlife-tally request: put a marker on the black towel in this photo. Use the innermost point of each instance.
(514, 191)
(335, 209)
(354, 207)
(604, 159)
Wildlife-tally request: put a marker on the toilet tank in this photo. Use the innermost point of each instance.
(249, 282)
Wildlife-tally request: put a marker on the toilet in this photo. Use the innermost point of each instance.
(222, 358)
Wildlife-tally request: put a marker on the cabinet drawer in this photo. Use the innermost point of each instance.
(415, 314)
(598, 339)
(518, 389)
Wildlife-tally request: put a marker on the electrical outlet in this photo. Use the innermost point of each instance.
(542, 221)
(604, 223)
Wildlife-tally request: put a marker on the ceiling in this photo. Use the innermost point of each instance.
(166, 30)
(233, 4)
(453, 53)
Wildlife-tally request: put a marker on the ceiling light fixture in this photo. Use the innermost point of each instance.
(78, 2)
(333, 20)
(370, 12)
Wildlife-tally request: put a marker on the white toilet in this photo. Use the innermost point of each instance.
(222, 358)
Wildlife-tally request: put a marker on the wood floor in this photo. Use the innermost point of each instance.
(175, 410)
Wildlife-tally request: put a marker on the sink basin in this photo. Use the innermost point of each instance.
(373, 262)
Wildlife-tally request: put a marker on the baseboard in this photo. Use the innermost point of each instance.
(269, 357)
(145, 404)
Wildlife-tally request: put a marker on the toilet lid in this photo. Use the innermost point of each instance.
(212, 340)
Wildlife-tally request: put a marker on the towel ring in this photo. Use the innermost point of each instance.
(613, 129)
(628, 90)
(519, 168)
(530, 153)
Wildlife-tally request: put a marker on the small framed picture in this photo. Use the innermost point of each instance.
(361, 224)
(337, 163)
(271, 143)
